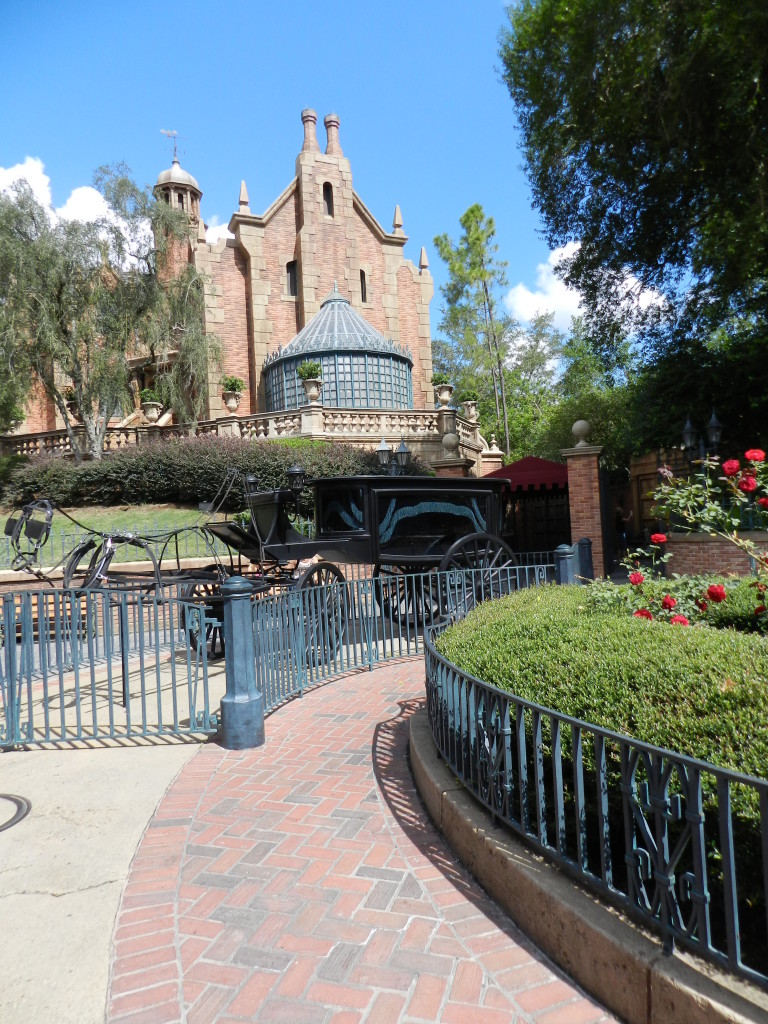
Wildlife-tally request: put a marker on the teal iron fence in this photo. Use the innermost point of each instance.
(678, 844)
(101, 665)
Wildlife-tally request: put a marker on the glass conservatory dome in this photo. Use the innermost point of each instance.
(360, 367)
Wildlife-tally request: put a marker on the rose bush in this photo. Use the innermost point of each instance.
(717, 500)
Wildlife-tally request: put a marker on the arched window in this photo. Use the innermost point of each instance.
(328, 199)
(363, 287)
(292, 280)
(180, 198)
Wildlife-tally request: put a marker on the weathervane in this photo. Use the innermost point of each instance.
(171, 133)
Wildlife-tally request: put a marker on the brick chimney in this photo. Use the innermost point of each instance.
(309, 120)
(331, 123)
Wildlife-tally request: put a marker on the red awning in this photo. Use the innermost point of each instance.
(534, 472)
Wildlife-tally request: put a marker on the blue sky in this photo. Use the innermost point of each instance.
(425, 120)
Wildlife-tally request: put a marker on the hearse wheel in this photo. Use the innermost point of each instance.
(491, 562)
(202, 617)
(325, 609)
(406, 595)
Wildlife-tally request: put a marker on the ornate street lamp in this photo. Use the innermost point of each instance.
(401, 458)
(691, 437)
(296, 477)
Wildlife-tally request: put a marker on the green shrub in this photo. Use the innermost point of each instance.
(9, 464)
(235, 384)
(309, 370)
(185, 471)
(695, 690)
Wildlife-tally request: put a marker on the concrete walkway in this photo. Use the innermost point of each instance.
(303, 882)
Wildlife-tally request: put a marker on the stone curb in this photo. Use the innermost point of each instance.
(615, 961)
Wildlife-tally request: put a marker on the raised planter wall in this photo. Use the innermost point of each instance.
(700, 553)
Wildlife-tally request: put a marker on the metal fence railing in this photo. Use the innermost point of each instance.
(102, 664)
(302, 637)
(678, 844)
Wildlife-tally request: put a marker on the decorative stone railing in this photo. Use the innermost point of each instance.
(419, 427)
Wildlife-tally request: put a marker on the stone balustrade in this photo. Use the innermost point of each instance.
(420, 428)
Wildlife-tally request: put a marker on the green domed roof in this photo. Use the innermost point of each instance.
(337, 327)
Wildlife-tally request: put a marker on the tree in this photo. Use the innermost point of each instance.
(530, 374)
(643, 125)
(586, 388)
(471, 318)
(78, 301)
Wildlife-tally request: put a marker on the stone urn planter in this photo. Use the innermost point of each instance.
(151, 411)
(470, 410)
(443, 393)
(312, 386)
(231, 401)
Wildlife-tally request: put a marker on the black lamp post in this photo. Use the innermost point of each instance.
(714, 432)
(296, 477)
(397, 464)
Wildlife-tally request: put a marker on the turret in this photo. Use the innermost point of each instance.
(180, 189)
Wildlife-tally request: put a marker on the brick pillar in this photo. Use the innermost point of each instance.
(584, 499)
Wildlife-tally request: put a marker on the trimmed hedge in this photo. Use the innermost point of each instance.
(184, 471)
(695, 690)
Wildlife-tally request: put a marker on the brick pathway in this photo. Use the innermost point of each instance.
(303, 882)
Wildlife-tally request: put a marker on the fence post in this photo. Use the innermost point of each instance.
(586, 569)
(564, 567)
(242, 706)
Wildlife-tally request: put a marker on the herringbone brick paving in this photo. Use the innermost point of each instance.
(303, 882)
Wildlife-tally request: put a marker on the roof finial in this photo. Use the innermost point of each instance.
(423, 261)
(171, 133)
(397, 221)
(243, 201)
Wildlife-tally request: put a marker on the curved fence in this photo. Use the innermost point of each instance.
(678, 844)
(121, 662)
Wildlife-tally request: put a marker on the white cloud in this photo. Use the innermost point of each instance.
(33, 171)
(215, 231)
(550, 294)
(84, 204)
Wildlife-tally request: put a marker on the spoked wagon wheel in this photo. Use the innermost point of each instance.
(491, 562)
(202, 616)
(406, 596)
(325, 609)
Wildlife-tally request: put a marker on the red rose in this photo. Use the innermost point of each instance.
(755, 455)
(762, 502)
(731, 467)
(642, 613)
(747, 483)
(716, 592)
(658, 538)
(636, 578)
(679, 620)
(760, 609)
(668, 602)
(701, 605)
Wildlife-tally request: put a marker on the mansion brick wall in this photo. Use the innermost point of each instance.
(321, 228)
(320, 225)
